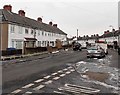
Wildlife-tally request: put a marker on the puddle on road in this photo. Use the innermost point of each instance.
(97, 76)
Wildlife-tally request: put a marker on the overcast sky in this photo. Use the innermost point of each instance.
(88, 16)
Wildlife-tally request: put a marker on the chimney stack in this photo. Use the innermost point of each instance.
(21, 12)
(113, 30)
(55, 25)
(50, 23)
(105, 32)
(7, 7)
(39, 19)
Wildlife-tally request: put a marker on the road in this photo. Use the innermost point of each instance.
(48, 73)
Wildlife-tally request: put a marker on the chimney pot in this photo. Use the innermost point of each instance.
(113, 30)
(7, 7)
(21, 12)
(39, 19)
(50, 23)
(55, 25)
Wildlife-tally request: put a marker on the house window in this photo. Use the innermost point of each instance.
(12, 28)
(35, 33)
(13, 44)
(38, 33)
(39, 43)
(45, 34)
(42, 33)
(43, 43)
(20, 30)
(19, 44)
(26, 31)
(32, 32)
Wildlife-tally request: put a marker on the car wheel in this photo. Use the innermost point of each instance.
(106, 53)
(88, 56)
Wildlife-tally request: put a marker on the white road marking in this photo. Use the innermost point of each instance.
(62, 75)
(65, 69)
(28, 92)
(72, 70)
(60, 71)
(37, 81)
(84, 76)
(47, 77)
(16, 91)
(57, 92)
(56, 78)
(27, 86)
(68, 72)
(54, 73)
(48, 82)
(55, 51)
(39, 87)
(70, 67)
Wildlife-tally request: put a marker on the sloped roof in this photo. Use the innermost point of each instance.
(28, 22)
(110, 34)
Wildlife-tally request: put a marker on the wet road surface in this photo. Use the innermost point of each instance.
(100, 74)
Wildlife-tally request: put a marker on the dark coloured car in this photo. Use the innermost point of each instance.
(77, 46)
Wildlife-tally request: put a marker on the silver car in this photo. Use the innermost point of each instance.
(95, 51)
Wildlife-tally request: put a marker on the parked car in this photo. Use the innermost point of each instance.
(103, 45)
(95, 51)
(77, 46)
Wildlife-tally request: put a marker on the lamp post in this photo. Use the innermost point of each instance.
(112, 31)
(114, 42)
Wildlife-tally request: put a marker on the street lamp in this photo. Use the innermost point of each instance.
(112, 31)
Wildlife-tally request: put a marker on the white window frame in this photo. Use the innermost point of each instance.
(27, 31)
(12, 28)
(20, 30)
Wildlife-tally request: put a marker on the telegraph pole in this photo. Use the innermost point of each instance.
(77, 34)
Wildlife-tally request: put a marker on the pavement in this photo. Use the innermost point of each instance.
(3, 58)
(21, 56)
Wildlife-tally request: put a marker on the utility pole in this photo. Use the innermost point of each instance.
(77, 34)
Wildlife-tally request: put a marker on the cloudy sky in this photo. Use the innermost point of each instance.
(88, 16)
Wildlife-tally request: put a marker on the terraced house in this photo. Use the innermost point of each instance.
(19, 31)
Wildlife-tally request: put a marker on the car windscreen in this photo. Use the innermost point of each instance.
(92, 48)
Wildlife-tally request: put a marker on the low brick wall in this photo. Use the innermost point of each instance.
(35, 50)
(11, 52)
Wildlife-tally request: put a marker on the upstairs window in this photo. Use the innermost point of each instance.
(35, 33)
(26, 31)
(38, 33)
(45, 34)
(20, 30)
(12, 29)
(42, 33)
(32, 32)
